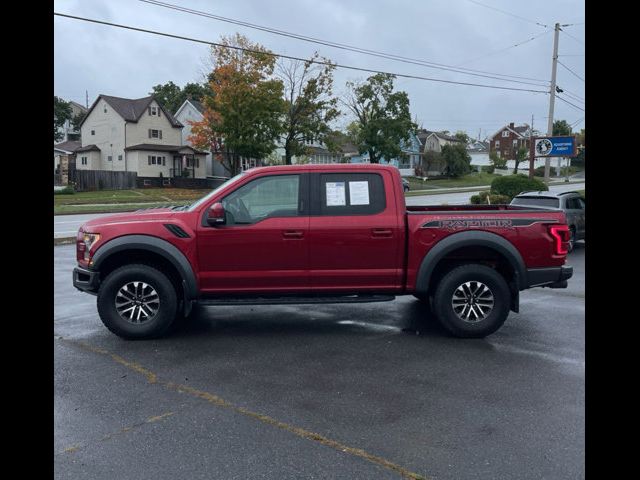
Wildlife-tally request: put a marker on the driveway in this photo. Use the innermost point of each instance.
(321, 391)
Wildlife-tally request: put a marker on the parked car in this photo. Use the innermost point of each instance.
(318, 234)
(405, 185)
(571, 203)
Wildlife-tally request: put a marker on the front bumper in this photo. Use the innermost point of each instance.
(554, 277)
(86, 280)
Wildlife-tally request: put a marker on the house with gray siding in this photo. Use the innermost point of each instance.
(192, 111)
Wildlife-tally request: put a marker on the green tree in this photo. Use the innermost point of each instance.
(310, 106)
(244, 109)
(432, 160)
(61, 113)
(171, 96)
(561, 127)
(77, 120)
(462, 136)
(521, 155)
(496, 160)
(457, 160)
(382, 117)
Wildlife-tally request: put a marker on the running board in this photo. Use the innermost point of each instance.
(295, 300)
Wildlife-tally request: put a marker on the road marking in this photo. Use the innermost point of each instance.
(220, 402)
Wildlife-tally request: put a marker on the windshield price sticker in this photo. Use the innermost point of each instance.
(359, 193)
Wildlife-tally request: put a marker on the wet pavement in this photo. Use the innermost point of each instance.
(321, 391)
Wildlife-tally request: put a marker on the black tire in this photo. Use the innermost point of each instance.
(472, 328)
(572, 239)
(166, 307)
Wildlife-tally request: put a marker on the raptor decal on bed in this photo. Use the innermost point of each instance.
(458, 224)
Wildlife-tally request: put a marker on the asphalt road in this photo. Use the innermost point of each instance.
(321, 391)
(68, 225)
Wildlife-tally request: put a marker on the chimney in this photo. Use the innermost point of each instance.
(511, 125)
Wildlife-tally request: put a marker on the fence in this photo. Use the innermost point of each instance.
(104, 180)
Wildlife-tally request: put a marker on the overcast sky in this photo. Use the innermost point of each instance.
(462, 33)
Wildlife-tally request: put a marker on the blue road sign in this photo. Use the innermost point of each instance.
(555, 147)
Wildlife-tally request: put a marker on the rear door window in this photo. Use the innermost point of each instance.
(348, 194)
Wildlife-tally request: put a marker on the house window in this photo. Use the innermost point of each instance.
(497, 144)
(154, 111)
(105, 109)
(120, 157)
(110, 158)
(155, 133)
(505, 133)
(164, 161)
(84, 160)
(153, 160)
(93, 132)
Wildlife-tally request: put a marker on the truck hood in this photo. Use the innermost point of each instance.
(147, 215)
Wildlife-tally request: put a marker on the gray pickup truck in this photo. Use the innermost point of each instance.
(571, 203)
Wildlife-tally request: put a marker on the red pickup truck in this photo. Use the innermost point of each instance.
(318, 234)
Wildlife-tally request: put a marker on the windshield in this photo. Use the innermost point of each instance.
(206, 198)
(536, 201)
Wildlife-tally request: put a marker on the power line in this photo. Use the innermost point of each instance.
(342, 46)
(348, 67)
(571, 36)
(577, 122)
(503, 49)
(510, 14)
(566, 101)
(573, 94)
(577, 99)
(574, 73)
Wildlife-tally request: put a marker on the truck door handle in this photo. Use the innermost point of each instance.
(381, 232)
(292, 234)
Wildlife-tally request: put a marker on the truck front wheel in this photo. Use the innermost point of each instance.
(137, 301)
(472, 301)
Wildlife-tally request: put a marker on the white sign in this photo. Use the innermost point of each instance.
(336, 195)
(359, 193)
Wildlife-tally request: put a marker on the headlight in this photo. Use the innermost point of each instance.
(89, 240)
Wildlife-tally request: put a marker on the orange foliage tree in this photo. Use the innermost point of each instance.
(243, 115)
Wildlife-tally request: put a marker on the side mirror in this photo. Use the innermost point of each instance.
(216, 215)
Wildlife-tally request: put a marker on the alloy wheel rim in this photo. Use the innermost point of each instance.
(472, 301)
(137, 302)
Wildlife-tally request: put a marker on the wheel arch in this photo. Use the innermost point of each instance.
(482, 241)
(133, 248)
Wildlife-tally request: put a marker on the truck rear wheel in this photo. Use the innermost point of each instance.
(137, 301)
(472, 301)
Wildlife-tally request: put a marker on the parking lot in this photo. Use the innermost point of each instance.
(370, 391)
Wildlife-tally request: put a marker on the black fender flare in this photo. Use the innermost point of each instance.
(157, 246)
(469, 239)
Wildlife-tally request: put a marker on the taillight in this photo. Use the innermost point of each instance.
(561, 236)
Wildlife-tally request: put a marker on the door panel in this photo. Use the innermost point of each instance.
(264, 248)
(354, 233)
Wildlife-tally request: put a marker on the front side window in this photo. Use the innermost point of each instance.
(265, 197)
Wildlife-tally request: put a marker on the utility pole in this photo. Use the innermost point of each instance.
(86, 99)
(552, 96)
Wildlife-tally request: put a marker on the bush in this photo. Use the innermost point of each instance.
(488, 168)
(512, 185)
(481, 198)
(68, 190)
(539, 172)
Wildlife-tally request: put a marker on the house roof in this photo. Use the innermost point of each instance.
(82, 108)
(519, 130)
(68, 146)
(196, 104)
(88, 148)
(154, 147)
(131, 109)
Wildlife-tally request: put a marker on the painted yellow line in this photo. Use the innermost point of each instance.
(220, 402)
